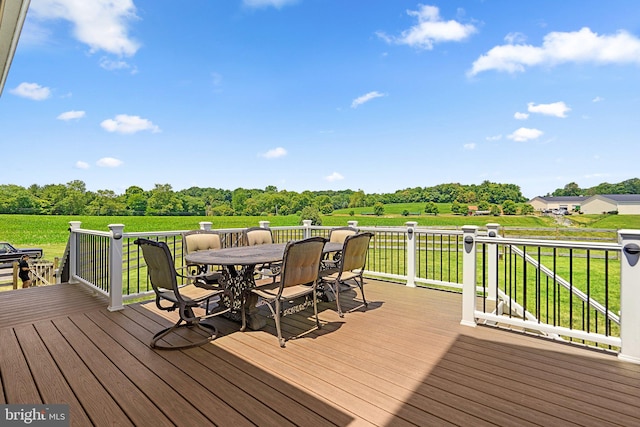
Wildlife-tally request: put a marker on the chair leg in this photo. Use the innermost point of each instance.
(315, 308)
(211, 330)
(277, 319)
(244, 315)
(337, 294)
(361, 286)
(334, 287)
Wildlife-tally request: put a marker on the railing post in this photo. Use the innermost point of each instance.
(205, 225)
(469, 275)
(306, 223)
(630, 295)
(492, 268)
(264, 224)
(73, 250)
(353, 224)
(115, 268)
(411, 253)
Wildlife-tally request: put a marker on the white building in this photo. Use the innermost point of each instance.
(624, 204)
(569, 203)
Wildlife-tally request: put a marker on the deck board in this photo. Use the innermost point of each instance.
(92, 396)
(404, 361)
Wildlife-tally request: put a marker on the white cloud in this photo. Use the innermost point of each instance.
(109, 162)
(275, 153)
(470, 146)
(515, 38)
(598, 99)
(110, 65)
(366, 98)
(556, 109)
(430, 29)
(525, 134)
(101, 24)
(581, 46)
(334, 177)
(70, 115)
(494, 138)
(128, 124)
(521, 116)
(32, 91)
(82, 165)
(267, 3)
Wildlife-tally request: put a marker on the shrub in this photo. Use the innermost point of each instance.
(312, 213)
(326, 209)
(431, 208)
(509, 207)
(459, 208)
(526, 209)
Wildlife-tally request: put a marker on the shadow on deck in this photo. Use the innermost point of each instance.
(404, 361)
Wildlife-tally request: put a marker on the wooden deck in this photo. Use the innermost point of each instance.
(405, 361)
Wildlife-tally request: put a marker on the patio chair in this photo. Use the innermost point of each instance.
(299, 277)
(349, 267)
(337, 235)
(202, 240)
(262, 236)
(170, 296)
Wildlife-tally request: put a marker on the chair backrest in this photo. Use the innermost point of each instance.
(338, 235)
(301, 262)
(160, 266)
(354, 253)
(258, 236)
(200, 240)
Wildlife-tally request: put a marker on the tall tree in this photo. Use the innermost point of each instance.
(136, 200)
(163, 201)
(571, 189)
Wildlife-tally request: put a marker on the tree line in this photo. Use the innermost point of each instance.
(73, 198)
(630, 186)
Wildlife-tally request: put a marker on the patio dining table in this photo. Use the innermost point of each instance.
(238, 273)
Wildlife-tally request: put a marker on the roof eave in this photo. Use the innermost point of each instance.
(12, 16)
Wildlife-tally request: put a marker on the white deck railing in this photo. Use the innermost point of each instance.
(567, 290)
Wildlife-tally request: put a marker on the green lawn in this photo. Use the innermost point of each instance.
(51, 232)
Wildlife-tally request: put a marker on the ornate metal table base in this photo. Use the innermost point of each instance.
(237, 282)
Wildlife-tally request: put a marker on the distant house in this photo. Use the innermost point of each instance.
(624, 204)
(549, 203)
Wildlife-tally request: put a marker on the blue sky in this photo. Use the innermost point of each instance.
(377, 95)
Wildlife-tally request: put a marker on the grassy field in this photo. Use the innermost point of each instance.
(51, 232)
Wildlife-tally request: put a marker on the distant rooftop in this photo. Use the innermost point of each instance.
(576, 199)
(562, 198)
(622, 197)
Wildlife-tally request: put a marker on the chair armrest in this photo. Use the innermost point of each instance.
(187, 267)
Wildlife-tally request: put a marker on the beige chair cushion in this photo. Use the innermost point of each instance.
(339, 235)
(201, 242)
(259, 237)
